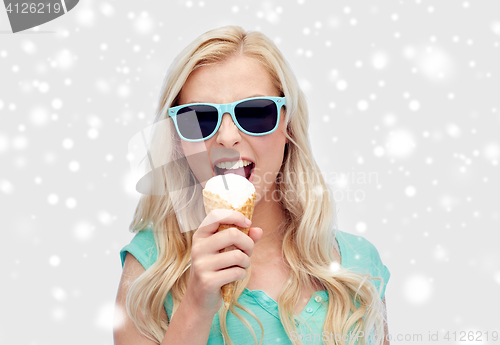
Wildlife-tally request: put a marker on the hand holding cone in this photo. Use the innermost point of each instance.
(213, 201)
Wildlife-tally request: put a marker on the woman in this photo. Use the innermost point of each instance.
(293, 285)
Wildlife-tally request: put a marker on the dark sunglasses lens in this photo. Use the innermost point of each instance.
(257, 116)
(197, 121)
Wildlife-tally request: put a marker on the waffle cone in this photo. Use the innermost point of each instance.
(213, 201)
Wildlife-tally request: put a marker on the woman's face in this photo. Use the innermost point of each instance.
(235, 79)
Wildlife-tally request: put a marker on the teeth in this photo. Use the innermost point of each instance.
(233, 165)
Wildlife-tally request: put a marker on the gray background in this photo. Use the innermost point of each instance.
(403, 98)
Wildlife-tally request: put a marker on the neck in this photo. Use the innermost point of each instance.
(268, 216)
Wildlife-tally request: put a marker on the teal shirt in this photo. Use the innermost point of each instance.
(357, 254)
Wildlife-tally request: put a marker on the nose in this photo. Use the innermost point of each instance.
(228, 133)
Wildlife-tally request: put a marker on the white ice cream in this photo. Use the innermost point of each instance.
(239, 189)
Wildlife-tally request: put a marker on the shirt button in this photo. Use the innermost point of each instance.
(317, 299)
(309, 310)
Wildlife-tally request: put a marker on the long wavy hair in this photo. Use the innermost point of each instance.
(306, 200)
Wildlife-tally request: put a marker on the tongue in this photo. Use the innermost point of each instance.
(248, 170)
(242, 171)
(239, 171)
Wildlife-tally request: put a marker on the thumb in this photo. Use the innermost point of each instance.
(255, 234)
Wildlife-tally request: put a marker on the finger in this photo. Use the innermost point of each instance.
(231, 237)
(255, 234)
(225, 260)
(212, 221)
(229, 275)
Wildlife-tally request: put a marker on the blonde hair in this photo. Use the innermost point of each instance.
(306, 200)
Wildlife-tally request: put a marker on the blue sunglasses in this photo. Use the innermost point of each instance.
(254, 116)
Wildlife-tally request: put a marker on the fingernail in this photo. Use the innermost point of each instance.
(248, 221)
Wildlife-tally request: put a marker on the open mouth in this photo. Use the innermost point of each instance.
(245, 171)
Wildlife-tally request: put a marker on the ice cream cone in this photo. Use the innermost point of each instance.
(213, 201)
